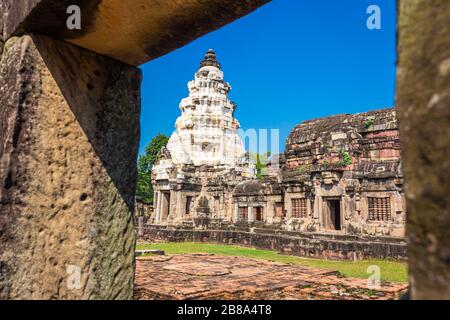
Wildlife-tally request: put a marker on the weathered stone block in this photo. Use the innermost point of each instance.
(305, 244)
(69, 134)
(132, 31)
(423, 99)
(1, 31)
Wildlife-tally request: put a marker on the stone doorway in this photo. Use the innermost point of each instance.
(332, 214)
(258, 213)
(188, 205)
(279, 210)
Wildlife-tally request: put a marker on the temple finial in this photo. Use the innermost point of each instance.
(210, 59)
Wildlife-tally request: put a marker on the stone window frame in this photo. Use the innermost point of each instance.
(182, 205)
(295, 194)
(386, 211)
(189, 201)
(243, 213)
(302, 207)
(217, 205)
(263, 213)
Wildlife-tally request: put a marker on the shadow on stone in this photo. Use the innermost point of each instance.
(104, 96)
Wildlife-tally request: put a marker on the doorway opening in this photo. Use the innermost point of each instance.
(332, 214)
(279, 210)
(165, 206)
(258, 214)
(188, 205)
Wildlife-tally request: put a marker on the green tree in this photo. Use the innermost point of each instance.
(144, 190)
(261, 161)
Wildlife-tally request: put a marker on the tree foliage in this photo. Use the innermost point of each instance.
(261, 161)
(346, 158)
(144, 190)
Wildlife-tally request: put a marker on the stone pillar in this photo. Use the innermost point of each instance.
(69, 135)
(236, 212)
(423, 100)
(158, 207)
(250, 213)
(140, 226)
(270, 211)
(1, 30)
(288, 205)
(181, 206)
(216, 208)
(155, 199)
(318, 203)
(155, 204)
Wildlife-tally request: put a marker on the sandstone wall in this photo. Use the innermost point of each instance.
(1, 31)
(351, 157)
(369, 137)
(69, 134)
(338, 247)
(423, 100)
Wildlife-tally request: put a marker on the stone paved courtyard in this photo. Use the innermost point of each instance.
(206, 276)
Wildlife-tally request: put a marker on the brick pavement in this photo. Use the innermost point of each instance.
(205, 276)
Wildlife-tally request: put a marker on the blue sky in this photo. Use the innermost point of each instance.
(289, 61)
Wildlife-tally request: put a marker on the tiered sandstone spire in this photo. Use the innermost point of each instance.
(206, 131)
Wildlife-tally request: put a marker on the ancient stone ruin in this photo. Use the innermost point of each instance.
(340, 174)
(343, 173)
(205, 158)
(69, 136)
(206, 277)
(69, 116)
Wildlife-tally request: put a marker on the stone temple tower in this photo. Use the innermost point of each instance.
(205, 157)
(206, 131)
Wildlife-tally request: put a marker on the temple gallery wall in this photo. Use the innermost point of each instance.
(67, 191)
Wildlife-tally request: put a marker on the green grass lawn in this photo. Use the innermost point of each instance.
(390, 270)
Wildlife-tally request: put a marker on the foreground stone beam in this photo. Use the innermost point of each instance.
(423, 100)
(132, 31)
(69, 135)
